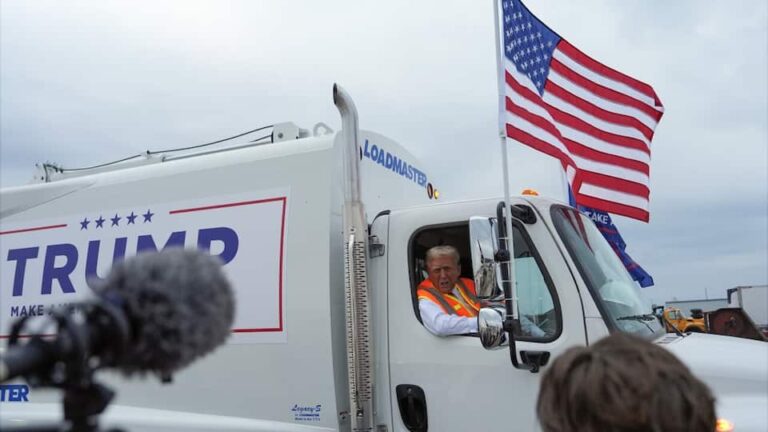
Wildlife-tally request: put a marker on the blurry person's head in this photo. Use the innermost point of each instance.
(623, 384)
(443, 267)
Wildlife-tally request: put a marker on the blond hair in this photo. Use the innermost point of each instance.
(444, 250)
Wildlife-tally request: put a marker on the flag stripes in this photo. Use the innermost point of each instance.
(597, 121)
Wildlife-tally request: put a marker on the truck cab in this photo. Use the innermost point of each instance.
(455, 371)
(571, 286)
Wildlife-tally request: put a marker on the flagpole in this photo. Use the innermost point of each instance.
(500, 73)
(567, 187)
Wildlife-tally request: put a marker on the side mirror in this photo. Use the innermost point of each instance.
(483, 239)
(490, 328)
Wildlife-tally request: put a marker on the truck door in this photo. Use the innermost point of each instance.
(452, 383)
(377, 283)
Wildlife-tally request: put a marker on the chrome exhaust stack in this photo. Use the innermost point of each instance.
(357, 309)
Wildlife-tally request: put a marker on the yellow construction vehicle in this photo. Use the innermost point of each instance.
(673, 317)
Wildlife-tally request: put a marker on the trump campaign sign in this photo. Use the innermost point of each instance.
(52, 263)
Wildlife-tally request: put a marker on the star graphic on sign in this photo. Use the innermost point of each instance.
(148, 216)
(115, 220)
(131, 218)
(100, 222)
(84, 224)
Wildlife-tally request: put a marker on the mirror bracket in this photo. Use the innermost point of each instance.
(501, 256)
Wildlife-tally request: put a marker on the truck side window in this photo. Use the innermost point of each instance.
(538, 309)
(456, 235)
(539, 315)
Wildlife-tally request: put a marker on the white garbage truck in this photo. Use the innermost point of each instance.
(323, 236)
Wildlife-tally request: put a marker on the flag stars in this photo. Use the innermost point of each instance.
(148, 216)
(528, 43)
(115, 221)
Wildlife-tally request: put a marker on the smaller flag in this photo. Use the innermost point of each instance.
(604, 223)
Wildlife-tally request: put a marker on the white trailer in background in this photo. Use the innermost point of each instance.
(753, 299)
(324, 239)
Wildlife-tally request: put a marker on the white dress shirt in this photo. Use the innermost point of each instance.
(440, 323)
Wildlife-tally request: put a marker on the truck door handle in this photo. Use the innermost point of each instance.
(537, 359)
(413, 407)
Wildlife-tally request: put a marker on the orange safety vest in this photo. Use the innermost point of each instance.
(448, 302)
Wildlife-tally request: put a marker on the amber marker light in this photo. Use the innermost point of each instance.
(530, 192)
(723, 425)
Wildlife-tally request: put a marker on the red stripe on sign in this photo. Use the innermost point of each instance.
(22, 230)
(613, 207)
(282, 237)
(594, 110)
(218, 206)
(259, 330)
(602, 91)
(601, 69)
(283, 200)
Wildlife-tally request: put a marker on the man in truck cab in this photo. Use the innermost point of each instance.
(448, 303)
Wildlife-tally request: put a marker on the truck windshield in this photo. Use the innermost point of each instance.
(616, 294)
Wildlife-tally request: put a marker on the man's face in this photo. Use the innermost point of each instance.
(443, 272)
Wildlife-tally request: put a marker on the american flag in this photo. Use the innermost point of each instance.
(597, 121)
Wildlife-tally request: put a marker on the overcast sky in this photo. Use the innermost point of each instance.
(87, 82)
